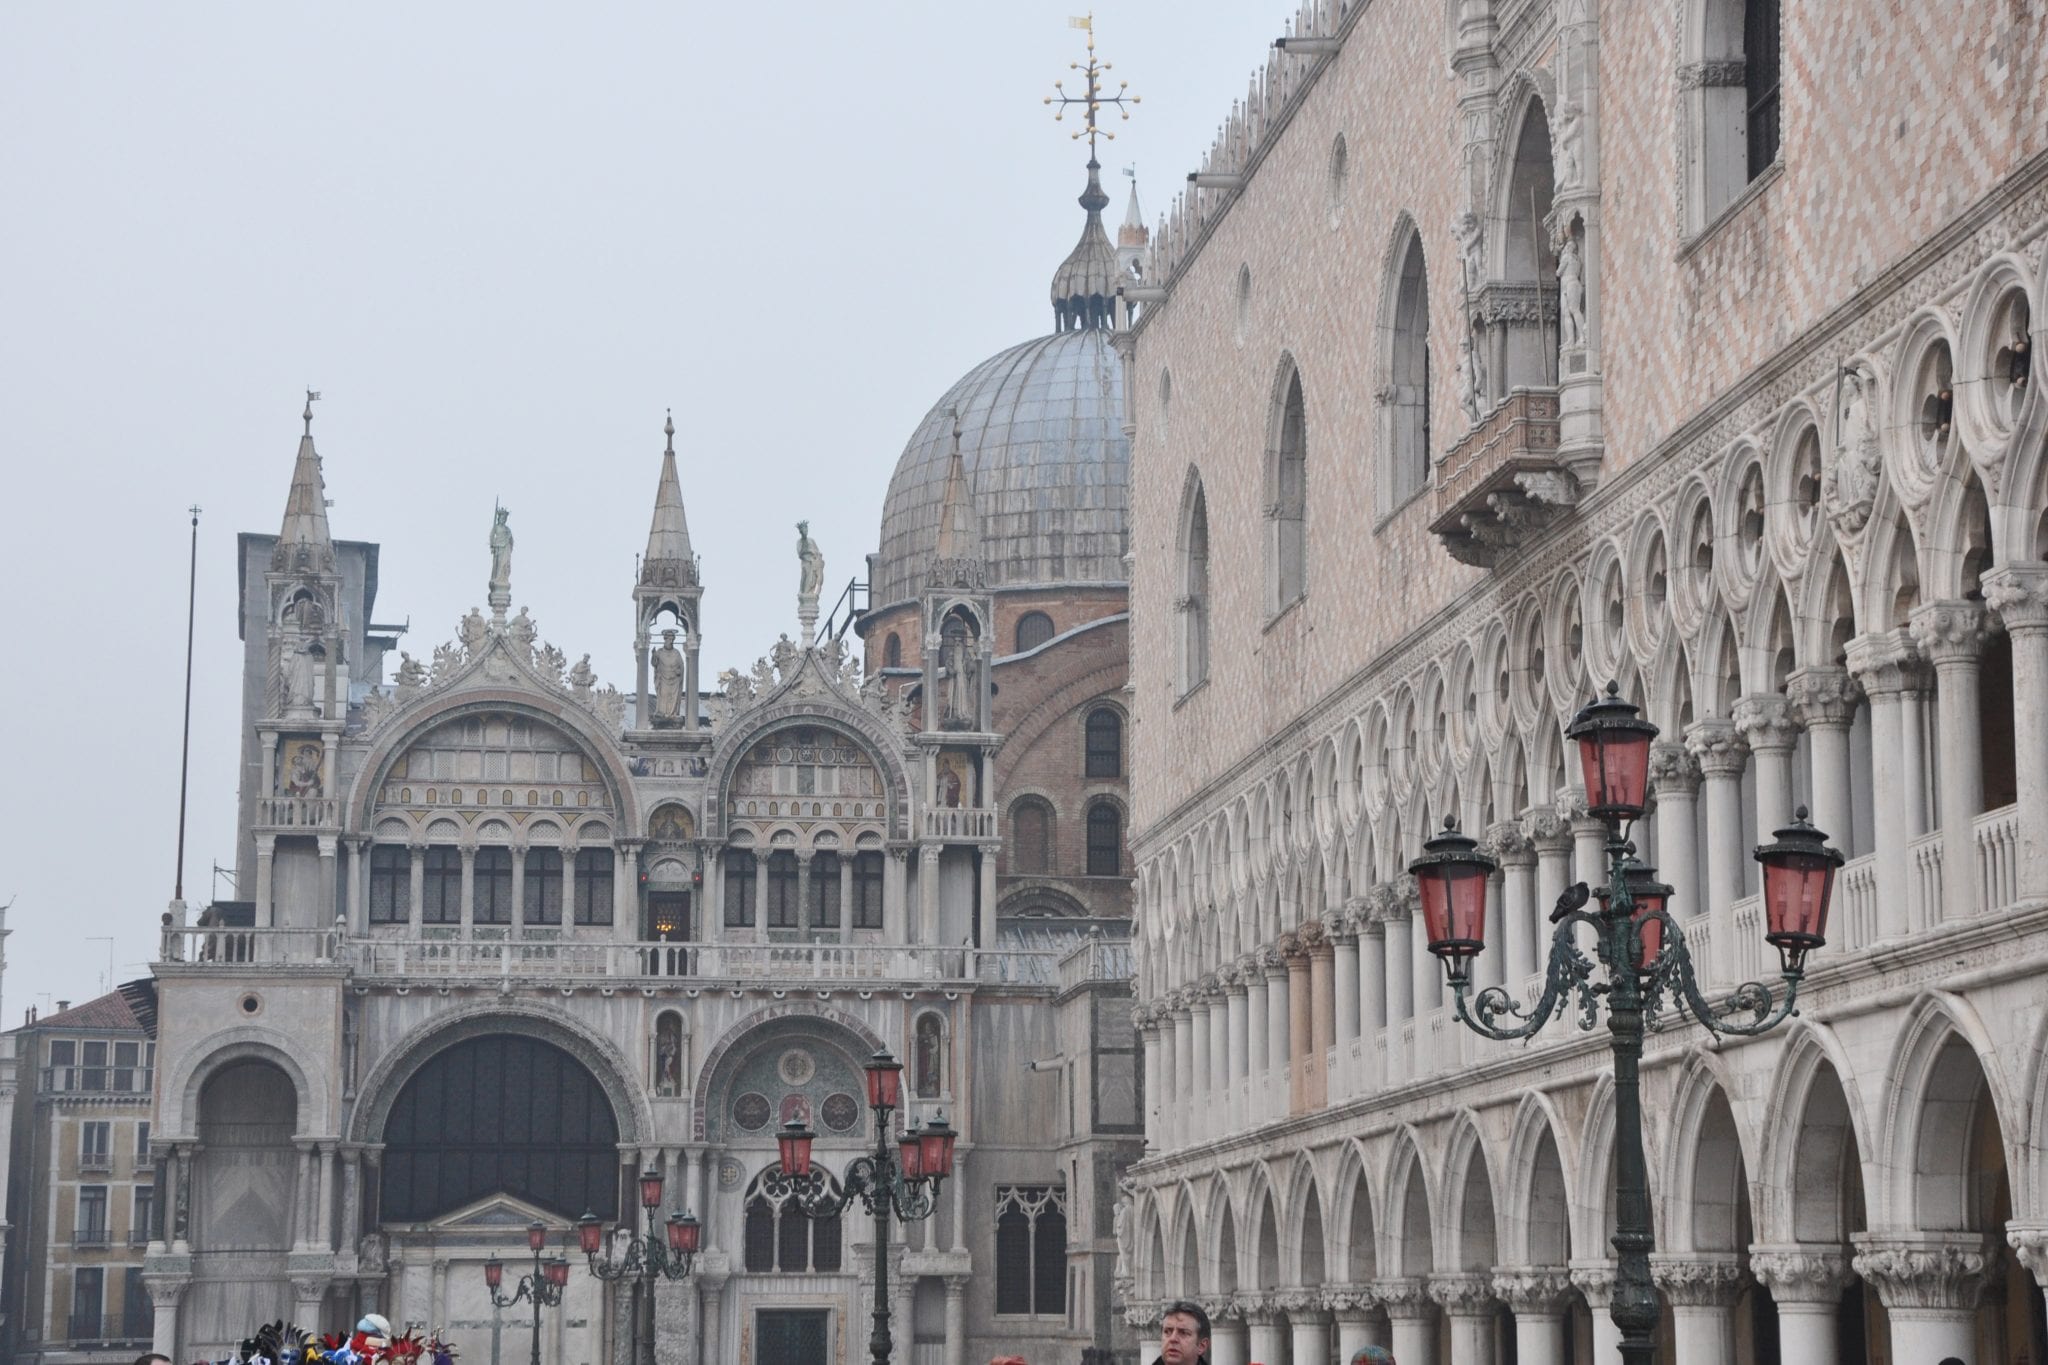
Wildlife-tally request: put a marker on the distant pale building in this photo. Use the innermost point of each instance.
(82, 1193)
(514, 935)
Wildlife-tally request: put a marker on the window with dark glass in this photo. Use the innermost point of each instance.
(492, 886)
(782, 888)
(892, 652)
(92, 1214)
(95, 1145)
(543, 890)
(1031, 837)
(1761, 81)
(779, 1239)
(1105, 840)
(142, 1141)
(1105, 743)
(594, 886)
(1034, 628)
(88, 1301)
(142, 1216)
(441, 886)
(125, 1055)
(390, 884)
(63, 1064)
(867, 890)
(825, 891)
(138, 1322)
(739, 889)
(92, 1071)
(1031, 1249)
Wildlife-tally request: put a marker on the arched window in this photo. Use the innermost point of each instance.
(594, 886)
(1034, 628)
(781, 1240)
(1031, 1249)
(441, 887)
(892, 651)
(1105, 744)
(782, 887)
(1105, 840)
(390, 884)
(928, 1073)
(1526, 354)
(1406, 466)
(1287, 500)
(867, 890)
(740, 871)
(1031, 837)
(1194, 588)
(543, 889)
(491, 886)
(825, 891)
(1729, 79)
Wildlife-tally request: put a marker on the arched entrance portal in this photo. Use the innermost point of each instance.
(501, 1114)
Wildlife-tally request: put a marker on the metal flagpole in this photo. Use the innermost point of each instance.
(185, 755)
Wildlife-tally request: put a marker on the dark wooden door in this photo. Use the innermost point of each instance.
(790, 1336)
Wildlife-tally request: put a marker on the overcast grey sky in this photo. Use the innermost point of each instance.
(500, 239)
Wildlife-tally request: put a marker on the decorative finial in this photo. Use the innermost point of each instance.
(956, 427)
(312, 397)
(668, 429)
(1093, 101)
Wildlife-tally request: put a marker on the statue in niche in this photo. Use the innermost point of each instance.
(299, 664)
(813, 561)
(1849, 486)
(1471, 238)
(301, 776)
(668, 1057)
(1569, 164)
(962, 706)
(668, 679)
(1571, 296)
(474, 632)
(927, 1078)
(1120, 1225)
(501, 552)
(1470, 381)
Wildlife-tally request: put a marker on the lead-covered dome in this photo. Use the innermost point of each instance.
(1041, 434)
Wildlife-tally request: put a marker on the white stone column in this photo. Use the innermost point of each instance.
(1589, 839)
(1700, 1289)
(1806, 1283)
(1277, 1019)
(1551, 838)
(166, 1292)
(1824, 700)
(266, 854)
(358, 905)
(1257, 1010)
(1427, 985)
(956, 1320)
(1147, 1019)
(1346, 986)
(1309, 1327)
(1467, 1300)
(1520, 938)
(468, 851)
(1887, 666)
(1951, 635)
(1595, 1282)
(1930, 1284)
(300, 1215)
(1372, 975)
(1268, 1337)
(1537, 1296)
(1237, 1058)
(1354, 1323)
(1722, 755)
(626, 893)
(2019, 593)
(1201, 1104)
(1675, 780)
(416, 889)
(987, 933)
(710, 1318)
(1218, 1079)
(1400, 976)
(1227, 1341)
(323, 913)
(323, 1221)
(1183, 1070)
(1765, 720)
(1413, 1315)
(927, 894)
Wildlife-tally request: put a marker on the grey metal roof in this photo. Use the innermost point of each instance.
(1042, 437)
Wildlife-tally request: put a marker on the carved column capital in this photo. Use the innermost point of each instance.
(1315, 938)
(1887, 663)
(1718, 746)
(2019, 594)
(1673, 769)
(1938, 1272)
(1950, 632)
(1801, 1274)
(1301, 1304)
(1507, 842)
(1546, 829)
(1532, 1289)
(1765, 720)
(1462, 1295)
(1702, 1280)
(1823, 696)
(2030, 1244)
(1595, 1280)
(1408, 1299)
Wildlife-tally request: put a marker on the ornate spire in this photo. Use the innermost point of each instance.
(669, 561)
(1084, 287)
(958, 562)
(303, 542)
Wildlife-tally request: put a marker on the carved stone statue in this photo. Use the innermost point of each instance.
(784, 655)
(412, 674)
(1471, 238)
(962, 708)
(583, 677)
(1121, 1226)
(668, 679)
(501, 552)
(474, 632)
(298, 678)
(813, 561)
(520, 632)
(1849, 486)
(1469, 381)
(1571, 296)
(1570, 164)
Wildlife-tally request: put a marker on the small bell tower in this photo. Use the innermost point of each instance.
(667, 601)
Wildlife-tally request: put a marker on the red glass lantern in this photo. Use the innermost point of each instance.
(683, 1232)
(1614, 756)
(910, 1153)
(650, 1189)
(885, 1080)
(1646, 896)
(494, 1273)
(589, 1234)
(936, 1158)
(1451, 877)
(557, 1271)
(795, 1143)
(1799, 881)
(536, 1235)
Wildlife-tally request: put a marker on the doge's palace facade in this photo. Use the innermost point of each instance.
(1500, 348)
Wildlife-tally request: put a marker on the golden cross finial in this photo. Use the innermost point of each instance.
(1093, 101)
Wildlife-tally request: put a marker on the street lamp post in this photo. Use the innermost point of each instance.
(905, 1183)
(647, 1257)
(1642, 956)
(543, 1287)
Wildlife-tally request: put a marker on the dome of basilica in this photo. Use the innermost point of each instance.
(1041, 435)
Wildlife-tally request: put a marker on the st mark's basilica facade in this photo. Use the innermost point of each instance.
(512, 936)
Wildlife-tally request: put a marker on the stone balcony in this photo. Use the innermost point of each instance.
(304, 814)
(965, 824)
(1503, 482)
